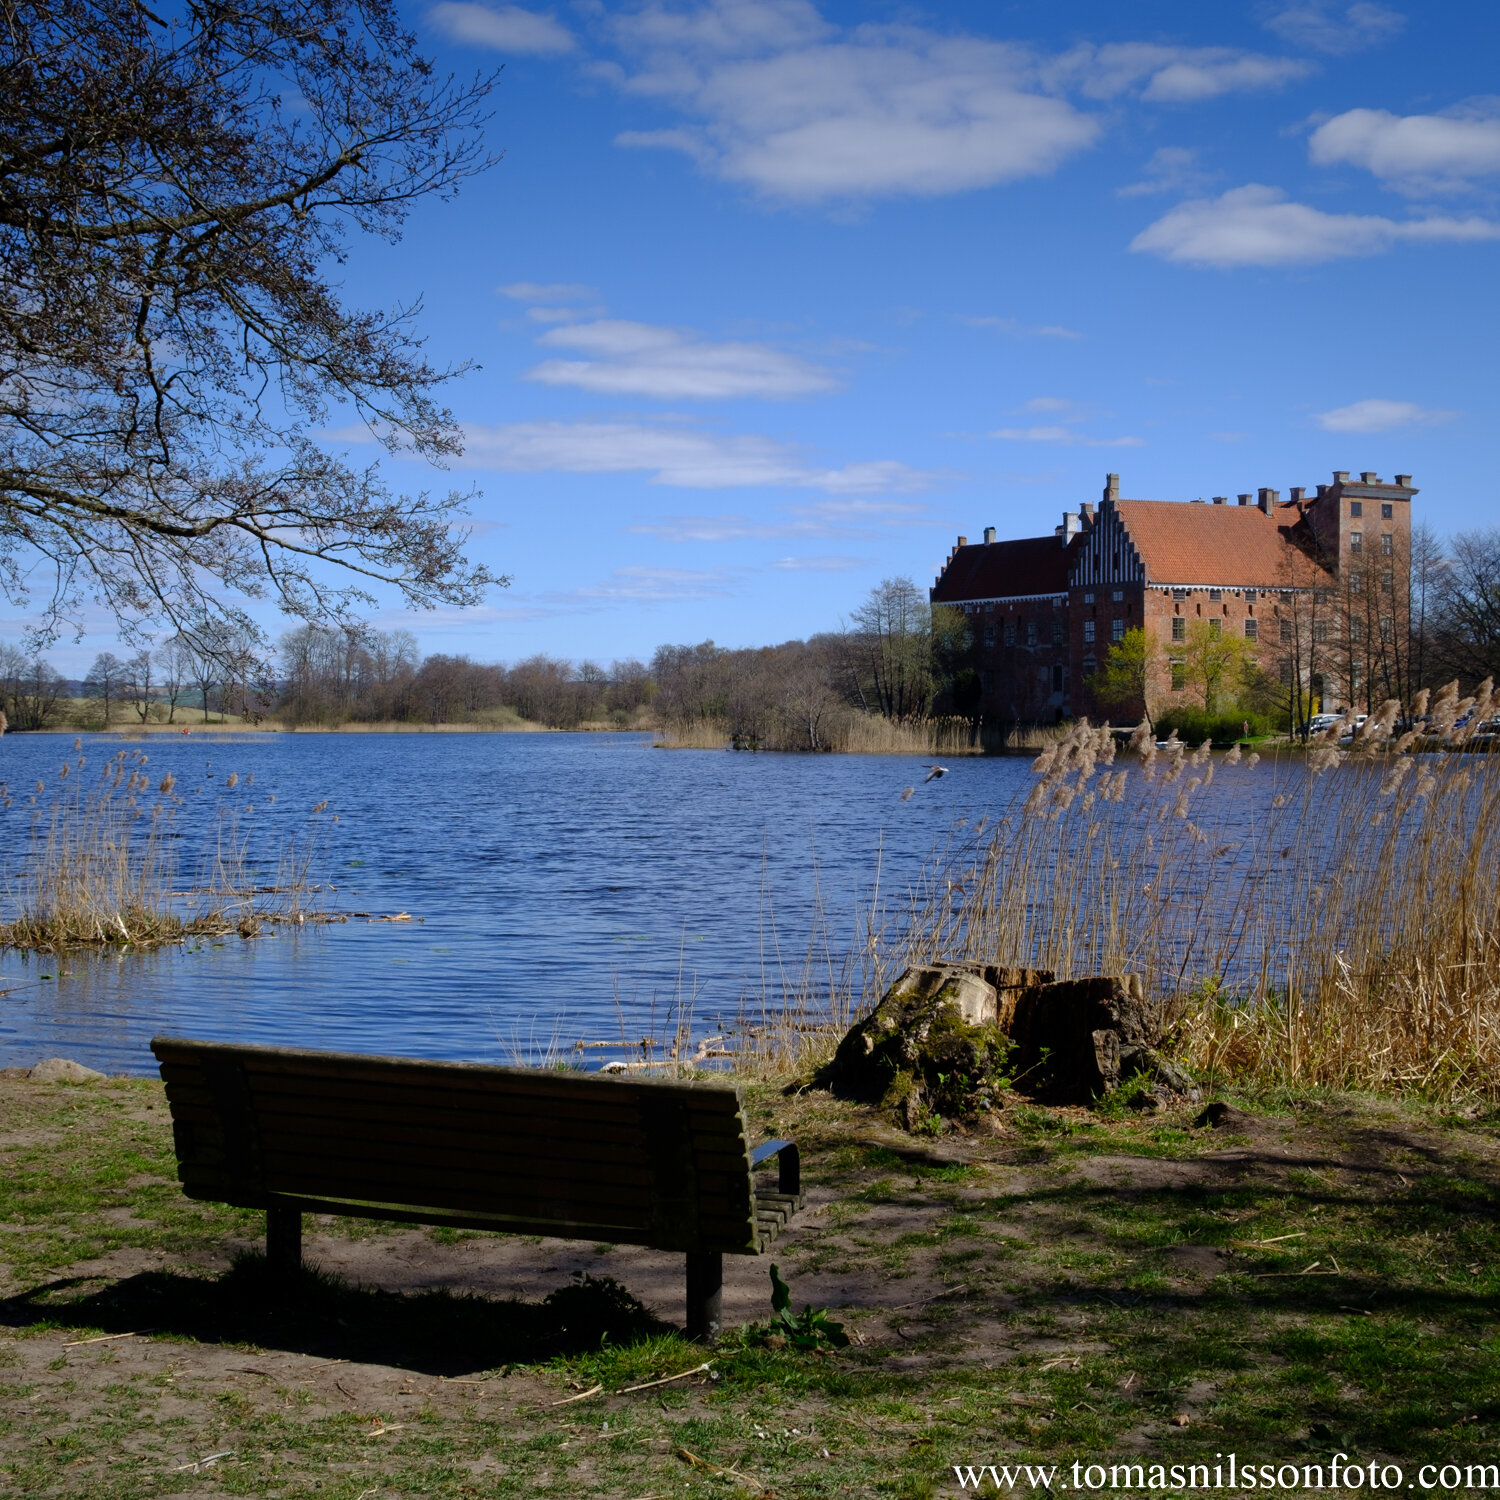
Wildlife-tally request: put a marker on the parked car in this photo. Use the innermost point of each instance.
(1319, 722)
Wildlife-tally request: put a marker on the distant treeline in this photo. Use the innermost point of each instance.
(897, 660)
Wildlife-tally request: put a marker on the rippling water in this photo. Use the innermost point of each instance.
(570, 887)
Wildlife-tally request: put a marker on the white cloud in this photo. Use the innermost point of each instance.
(1380, 416)
(1255, 226)
(1017, 329)
(659, 585)
(1064, 436)
(1332, 28)
(1172, 75)
(822, 519)
(731, 528)
(507, 28)
(681, 458)
(639, 359)
(1172, 169)
(817, 564)
(1065, 414)
(799, 111)
(1420, 153)
(546, 291)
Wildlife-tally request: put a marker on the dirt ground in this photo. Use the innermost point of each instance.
(982, 1280)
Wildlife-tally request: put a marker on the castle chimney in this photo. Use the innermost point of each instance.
(1071, 526)
(963, 541)
(1341, 476)
(1111, 486)
(1404, 480)
(1243, 499)
(1221, 499)
(1369, 476)
(1268, 498)
(989, 534)
(1298, 492)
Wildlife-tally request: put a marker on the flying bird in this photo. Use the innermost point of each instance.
(934, 773)
(906, 796)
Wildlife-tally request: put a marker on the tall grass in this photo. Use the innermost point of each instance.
(101, 866)
(1335, 923)
(871, 734)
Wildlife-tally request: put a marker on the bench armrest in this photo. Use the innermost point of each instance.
(789, 1163)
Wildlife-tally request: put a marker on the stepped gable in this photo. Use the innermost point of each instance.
(1015, 569)
(1229, 546)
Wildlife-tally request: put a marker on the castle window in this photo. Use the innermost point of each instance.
(1386, 580)
(1057, 632)
(1216, 627)
(1215, 596)
(1179, 676)
(1356, 508)
(1031, 632)
(1179, 593)
(989, 635)
(1387, 512)
(1356, 541)
(1010, 632)
(1356, 629)
(1250, 596)
(1088, 630)
(1252, 630)
(1117, 630)
(1356, 582)
(1088, 598)
(1320, 631)
(1387, 544)
(1057, 679)
(1089, 666)
(1118, 595)
(1179, 629)
(1286, 632)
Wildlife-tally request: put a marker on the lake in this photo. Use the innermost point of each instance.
(569, 887)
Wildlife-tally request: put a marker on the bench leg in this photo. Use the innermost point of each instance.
(283, 1242)
(705, 1295)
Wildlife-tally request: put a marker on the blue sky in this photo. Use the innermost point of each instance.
(772, 299)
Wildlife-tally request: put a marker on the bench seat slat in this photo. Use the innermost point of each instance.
(484, 1158)
(498, 1116)
(444, 1078)
(719, 1193)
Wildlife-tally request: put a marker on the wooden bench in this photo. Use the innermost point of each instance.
(579, 1156)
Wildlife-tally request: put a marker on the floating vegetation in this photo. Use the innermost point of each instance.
(101, 867)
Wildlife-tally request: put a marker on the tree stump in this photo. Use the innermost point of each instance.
(947, 1042)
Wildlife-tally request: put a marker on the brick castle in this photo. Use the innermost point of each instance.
(1319, 585)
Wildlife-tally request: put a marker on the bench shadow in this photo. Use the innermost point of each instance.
(433, 1332)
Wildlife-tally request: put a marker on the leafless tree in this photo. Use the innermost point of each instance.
(173, 188)
(140, 684)
(106, 682)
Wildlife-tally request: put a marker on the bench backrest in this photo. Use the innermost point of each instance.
(525, 1151)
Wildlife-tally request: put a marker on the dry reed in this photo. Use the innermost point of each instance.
(870, 734)
(1334, 924)
(101, 867)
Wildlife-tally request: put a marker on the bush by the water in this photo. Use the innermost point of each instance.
(1194, 725)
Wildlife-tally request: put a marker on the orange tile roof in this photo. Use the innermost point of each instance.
(1233, 546)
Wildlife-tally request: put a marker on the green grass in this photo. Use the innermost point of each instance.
(1058, 1314)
